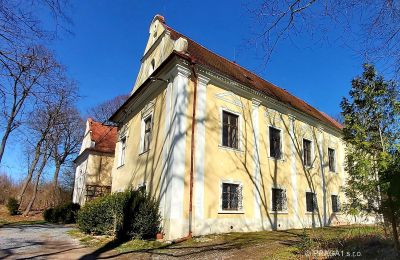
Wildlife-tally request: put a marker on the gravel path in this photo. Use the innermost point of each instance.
(39, 241)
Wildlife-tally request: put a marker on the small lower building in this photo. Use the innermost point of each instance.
(94, 162)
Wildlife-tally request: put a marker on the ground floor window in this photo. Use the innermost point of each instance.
(279, 200)
(311, 201)
(95, 191)
(231, 196)
(335, 203)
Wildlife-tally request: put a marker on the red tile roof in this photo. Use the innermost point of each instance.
(210, 60)
(104, 136)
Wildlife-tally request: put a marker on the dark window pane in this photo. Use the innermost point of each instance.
(275, 142)
(335, 203)
(230, 196)
(311, 201)
(230, 130)
(307, 152)
(331, 157)
(147, 134)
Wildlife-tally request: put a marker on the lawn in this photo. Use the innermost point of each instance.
(363, 242)
(6, 219)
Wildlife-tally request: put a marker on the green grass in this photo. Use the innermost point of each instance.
(287, 244)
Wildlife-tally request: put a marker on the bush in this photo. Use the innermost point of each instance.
(126, 214)
(65, 214)
(12, 206)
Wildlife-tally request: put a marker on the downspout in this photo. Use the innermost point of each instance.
(192, 144)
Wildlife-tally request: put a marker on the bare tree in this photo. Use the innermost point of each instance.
(20, 24)
(371, 28)
(47, 116)
(103, 111)
(66, 138)
(22, 78)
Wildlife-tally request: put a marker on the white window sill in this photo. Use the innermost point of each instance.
(230, 148)
(230, 212)
(311, 213)
(278, 212)
(333, 172)
(276, 159)
(119, 167)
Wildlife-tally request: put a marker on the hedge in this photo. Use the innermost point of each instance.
(65, 214)
(126, 214)
(12, 206)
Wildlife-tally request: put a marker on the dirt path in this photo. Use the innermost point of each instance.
(39, 241)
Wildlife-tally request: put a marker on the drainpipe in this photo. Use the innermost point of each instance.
(192, 144)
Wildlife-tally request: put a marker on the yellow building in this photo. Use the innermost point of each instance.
(94, 163)
(222, 149)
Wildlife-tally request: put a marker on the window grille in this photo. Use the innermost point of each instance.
(279, 200)
(231, 196)
(311, 201)
(230, 130)
(335, 203)
(275, 143)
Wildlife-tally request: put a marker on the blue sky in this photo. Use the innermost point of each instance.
(104, 52)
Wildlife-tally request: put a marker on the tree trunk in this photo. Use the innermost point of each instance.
(55, 184)
(394, 224)
(35, 188)
(4, 141)
(30, 172)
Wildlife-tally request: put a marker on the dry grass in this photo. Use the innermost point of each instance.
(5, 218)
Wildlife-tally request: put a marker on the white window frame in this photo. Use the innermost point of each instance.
(224, 109)
(122, 151)
(282, 143)
(143, 128)
(287, 206)
(312, 152)
(222, 211)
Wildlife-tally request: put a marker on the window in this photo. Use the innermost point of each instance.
(335, 203)
(230, 130)
(147, 134)
(231, 196)
(275, 143)
(307, 152)
(142, 188)
(311, 201)
(279, 199)
(331, 158)
(122, 151)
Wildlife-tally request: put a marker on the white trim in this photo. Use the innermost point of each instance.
(323, 181)
(256, 158)
(201, 115)
(293, 168)
(176, 173)
(240, 122)
(230, 97)
(220, 210)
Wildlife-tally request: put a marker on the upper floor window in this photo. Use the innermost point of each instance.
(311, 201)
(122, 151)
(230, 130)
(335, 203)
(231, 196)
(275, 145)
(307, 152)
(331, 159)
(279, 200)
(147, 133)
